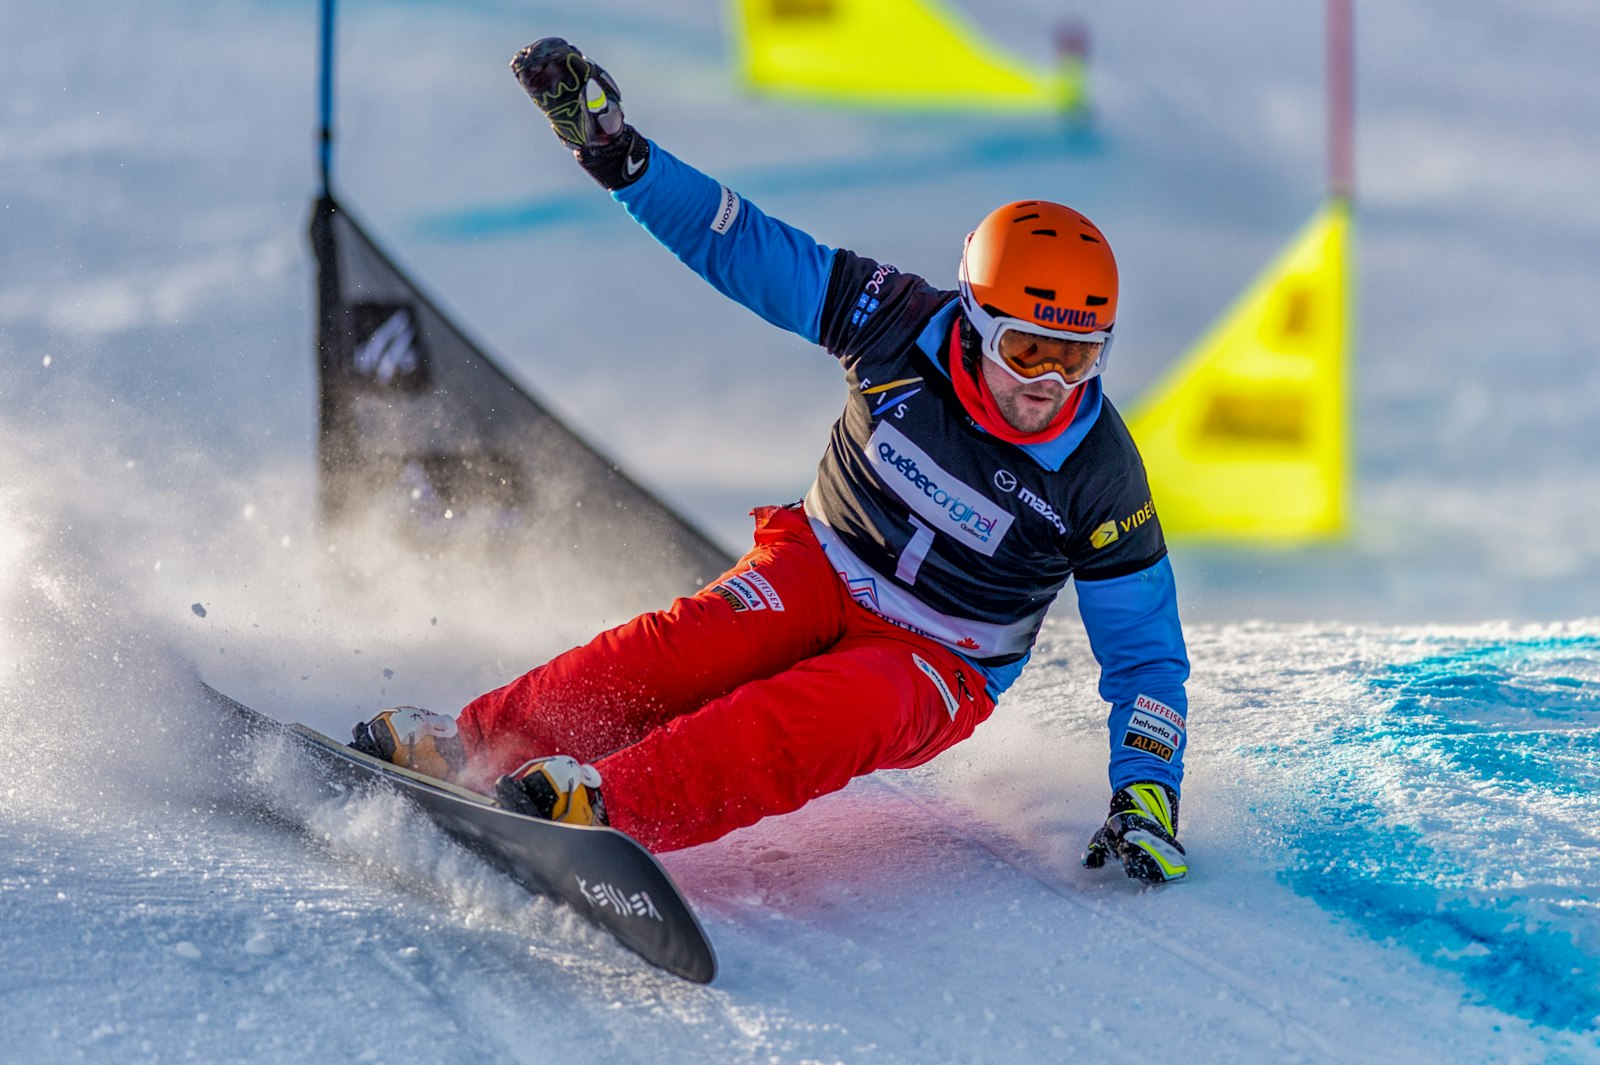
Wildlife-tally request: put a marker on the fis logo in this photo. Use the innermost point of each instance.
(1044, 312)
(894, 394)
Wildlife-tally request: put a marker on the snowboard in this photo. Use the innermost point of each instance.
(603, 874)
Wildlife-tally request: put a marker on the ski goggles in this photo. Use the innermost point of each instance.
(1031, 356)
(1031, 352)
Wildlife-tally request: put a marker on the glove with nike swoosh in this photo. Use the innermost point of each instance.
(584, 107)
(1142, 831)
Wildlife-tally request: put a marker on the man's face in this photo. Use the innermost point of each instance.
(1027, 406)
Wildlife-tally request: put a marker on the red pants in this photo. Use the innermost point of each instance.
(762, 691)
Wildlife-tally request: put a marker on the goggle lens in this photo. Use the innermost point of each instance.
(1031, 355)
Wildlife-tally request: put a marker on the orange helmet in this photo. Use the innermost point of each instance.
(1039, 269)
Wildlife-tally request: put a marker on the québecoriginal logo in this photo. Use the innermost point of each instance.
(949, 505)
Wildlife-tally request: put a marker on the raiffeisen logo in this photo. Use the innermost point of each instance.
(954, 508)
(1044, 312)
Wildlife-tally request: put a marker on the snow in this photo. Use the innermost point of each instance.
(1392, 785)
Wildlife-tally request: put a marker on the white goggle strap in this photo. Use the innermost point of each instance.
(1100, 336)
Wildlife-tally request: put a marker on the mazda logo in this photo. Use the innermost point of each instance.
(1004, 481)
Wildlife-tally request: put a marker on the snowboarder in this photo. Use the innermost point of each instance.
(977, 465)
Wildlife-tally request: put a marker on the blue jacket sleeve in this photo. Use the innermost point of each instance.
(1136, 637)
(769, 266)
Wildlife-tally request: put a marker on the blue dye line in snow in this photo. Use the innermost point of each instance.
(1505, 713)
(1503, 719)
(956, 154)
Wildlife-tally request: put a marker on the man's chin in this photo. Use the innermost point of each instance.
(1032, 417)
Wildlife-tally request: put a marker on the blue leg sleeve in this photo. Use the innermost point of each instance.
(1134, 632)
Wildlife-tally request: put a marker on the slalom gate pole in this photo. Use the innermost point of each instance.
(1341, 99)
(325, 133)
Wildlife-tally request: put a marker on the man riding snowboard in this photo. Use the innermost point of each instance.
(977, 465)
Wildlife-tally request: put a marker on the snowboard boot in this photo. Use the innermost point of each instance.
(1141, 829)
(416, 739)
(557, 788)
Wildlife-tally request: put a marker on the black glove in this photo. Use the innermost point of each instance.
(1141, 830)
(584, 107)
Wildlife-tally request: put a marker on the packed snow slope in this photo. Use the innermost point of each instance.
(1392, 785)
